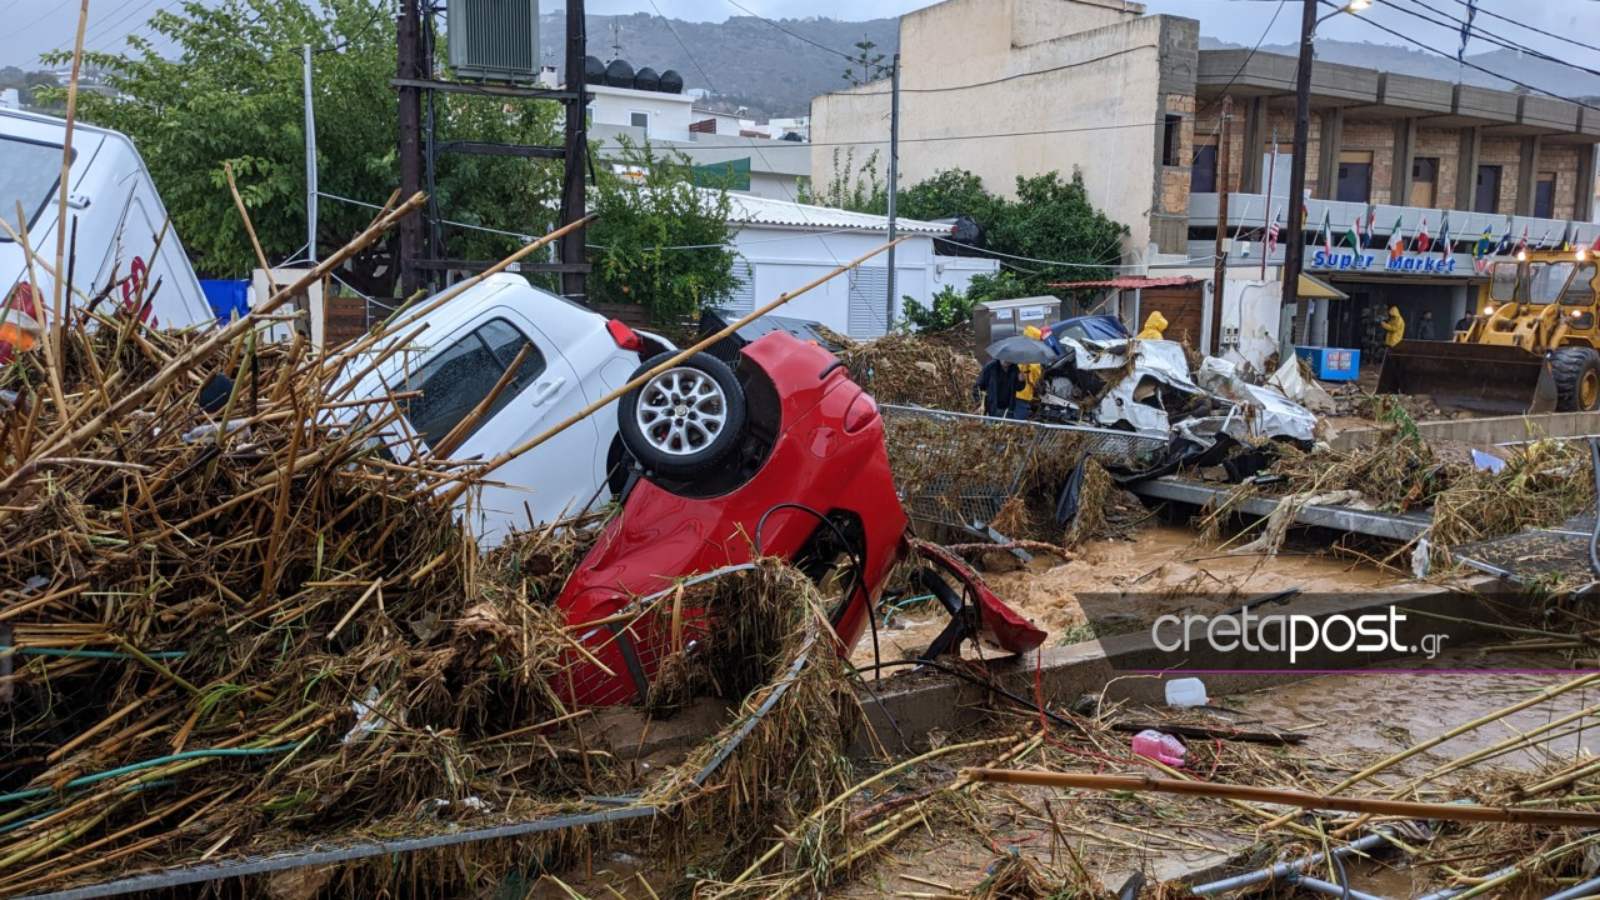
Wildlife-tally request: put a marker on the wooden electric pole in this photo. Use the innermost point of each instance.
(1219, 274)
(573, 200)
(407, 72)
(1294, 246)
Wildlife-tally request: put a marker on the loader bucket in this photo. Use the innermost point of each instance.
(1478, 377)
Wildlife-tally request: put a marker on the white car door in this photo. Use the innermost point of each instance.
(540, 486)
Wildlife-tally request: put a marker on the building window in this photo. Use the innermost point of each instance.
(1486, 198)
(1203, 174)
(1544, 196)
(1355, 176)
(1172, 142)
(1424, 181)
(640, 120)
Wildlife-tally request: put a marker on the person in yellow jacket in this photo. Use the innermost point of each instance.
(1029, 374)
(1394, 328)
(1154, 326)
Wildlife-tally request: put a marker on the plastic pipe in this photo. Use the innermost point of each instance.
(1586, 889)
(1285, 869)
(1328, 887)
(84, 780)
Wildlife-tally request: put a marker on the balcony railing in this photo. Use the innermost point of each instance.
(1248, 216)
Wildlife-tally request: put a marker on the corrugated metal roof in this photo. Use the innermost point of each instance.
(746, 209)
(1130, 282)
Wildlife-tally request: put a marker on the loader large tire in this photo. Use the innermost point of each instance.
(1577, 375)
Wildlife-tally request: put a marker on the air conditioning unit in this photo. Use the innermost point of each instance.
(494, 40)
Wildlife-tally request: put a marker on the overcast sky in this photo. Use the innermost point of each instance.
(33, 26)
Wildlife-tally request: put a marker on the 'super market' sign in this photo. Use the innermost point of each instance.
(1426, 264)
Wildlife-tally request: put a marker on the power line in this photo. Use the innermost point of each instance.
(1532, 28)
(1431, 49)
(101, 31)
(1451, 22)
(1004, 78)
(1251, 55)
(796, 35)
(1064, 264)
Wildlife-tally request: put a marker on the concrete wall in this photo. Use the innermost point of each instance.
(669, 113)
(782, 259)
(1093, 76)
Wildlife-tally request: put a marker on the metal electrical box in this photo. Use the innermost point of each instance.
(998, 319)
(494, 40)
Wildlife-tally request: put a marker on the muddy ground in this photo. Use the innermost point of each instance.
(1350, 720)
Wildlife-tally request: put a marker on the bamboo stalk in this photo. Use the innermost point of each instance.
(57, 310)
(1451, 812)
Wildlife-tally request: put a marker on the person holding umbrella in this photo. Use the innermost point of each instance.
(1025, 355)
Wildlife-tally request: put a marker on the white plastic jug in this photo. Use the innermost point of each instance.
(1186, 692)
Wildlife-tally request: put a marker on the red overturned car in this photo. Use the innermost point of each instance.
(780, 453)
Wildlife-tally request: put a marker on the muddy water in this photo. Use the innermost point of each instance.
(1383, 712)
(1161, 569)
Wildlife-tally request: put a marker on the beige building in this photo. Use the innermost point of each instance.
(1063, 85)
(1022, 87)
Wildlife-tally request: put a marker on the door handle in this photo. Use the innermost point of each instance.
(547, 389)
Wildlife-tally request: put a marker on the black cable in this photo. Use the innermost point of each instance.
(1449, 21)
(1594, 533)
(1247, 57)
(1533, 28)
(1435, 50)
(858, 568)
(798, 37)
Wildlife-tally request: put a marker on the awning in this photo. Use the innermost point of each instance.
(1129, 282)
(1314, 288)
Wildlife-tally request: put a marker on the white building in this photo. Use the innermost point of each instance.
(783, 246)
(753, 163)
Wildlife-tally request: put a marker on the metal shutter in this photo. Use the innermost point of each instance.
(868, 293)
(742, 300)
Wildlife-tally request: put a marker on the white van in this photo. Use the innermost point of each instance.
(118, 213)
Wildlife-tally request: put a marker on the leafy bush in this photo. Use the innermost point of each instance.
(646, 210)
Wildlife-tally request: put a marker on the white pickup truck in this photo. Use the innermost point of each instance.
(118, 214)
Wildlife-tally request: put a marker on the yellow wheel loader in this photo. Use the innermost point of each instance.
(1531, 347)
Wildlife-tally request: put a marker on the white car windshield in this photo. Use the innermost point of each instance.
(28, 173)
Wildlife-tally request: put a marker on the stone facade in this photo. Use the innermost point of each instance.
(1377, 137)
(1443, 144)
(1507, 154)
(1562, 159)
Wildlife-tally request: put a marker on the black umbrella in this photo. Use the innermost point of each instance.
(1021, 350)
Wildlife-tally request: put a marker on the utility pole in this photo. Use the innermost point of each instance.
(1220, 273)
(894, 181)
(1293, 238)
(311, 164)
(577, 154)
(407, 70)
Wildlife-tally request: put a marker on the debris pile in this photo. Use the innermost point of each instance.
(235, 625)
(912, 369)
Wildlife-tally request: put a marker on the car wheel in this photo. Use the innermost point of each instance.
(685, 420)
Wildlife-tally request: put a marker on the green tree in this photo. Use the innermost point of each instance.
(659, 240)
(949, 193)
(858, 190)
(231, 92)
(869, 63)
(1053, 220)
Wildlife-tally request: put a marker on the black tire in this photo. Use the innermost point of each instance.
(695, 458)
(1572, 367)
